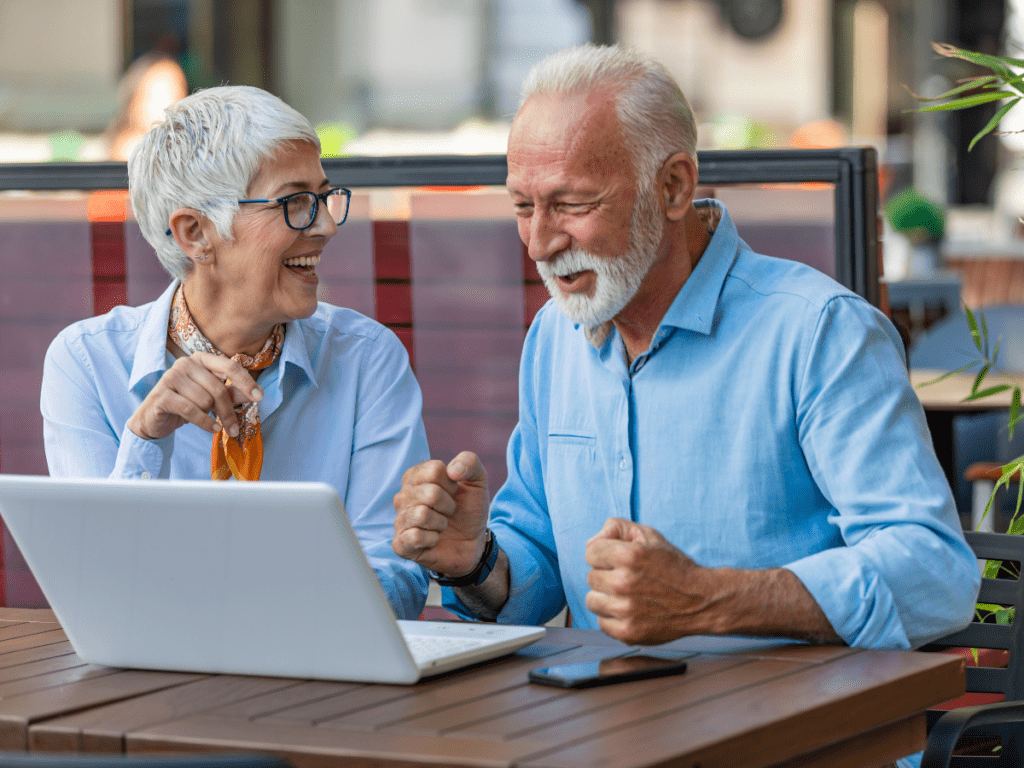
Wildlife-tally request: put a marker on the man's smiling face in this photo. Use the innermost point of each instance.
(592, 231)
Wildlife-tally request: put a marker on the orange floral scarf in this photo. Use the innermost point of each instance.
(242, 456)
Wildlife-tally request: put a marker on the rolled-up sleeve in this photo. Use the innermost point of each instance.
(863, 432)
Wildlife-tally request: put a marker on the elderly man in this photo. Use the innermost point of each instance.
(709, 440)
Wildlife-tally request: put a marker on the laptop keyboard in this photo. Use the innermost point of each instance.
(426, 648)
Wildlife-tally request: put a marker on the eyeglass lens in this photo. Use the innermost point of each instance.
(301, 208)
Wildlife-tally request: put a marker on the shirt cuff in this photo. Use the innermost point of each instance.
(855, 599)
(141, 459)
(403, 581)
(531, 601)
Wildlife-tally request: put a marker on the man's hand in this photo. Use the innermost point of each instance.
(189, 390)
(645, 591)
(441, 515)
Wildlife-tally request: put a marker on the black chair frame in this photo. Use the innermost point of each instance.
(1005, 719)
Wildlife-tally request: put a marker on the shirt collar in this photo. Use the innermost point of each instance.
(295, 351)
(151, 352)
(694, 306)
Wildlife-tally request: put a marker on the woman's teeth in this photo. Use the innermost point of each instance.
(302, 261)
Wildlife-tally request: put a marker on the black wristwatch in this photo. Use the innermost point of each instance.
(478, 575)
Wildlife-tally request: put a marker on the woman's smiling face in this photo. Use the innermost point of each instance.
(268, 271)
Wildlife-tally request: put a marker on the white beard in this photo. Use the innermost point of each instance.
(617, 278)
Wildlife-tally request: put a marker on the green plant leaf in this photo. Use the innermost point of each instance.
(987, 392)
(1011, 466)
(951, 51)
(1000, 65)
(1013, 82)
(1014, 410)
(974, 328)
(1005, 616)
(947, 375)
(984, 334)
(992, 568)
(990, 126)
(978, 379)
(989, 608)
(970, 84)
(1020, 498)
(968, 101)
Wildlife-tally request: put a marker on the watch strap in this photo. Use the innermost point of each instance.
(478, 575)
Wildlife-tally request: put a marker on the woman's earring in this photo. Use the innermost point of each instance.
(202, 256)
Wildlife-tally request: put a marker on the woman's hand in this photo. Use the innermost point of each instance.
(193, 387)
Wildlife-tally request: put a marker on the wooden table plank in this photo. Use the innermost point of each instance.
(18, 712)
(855, 694)
(488, 718)
(458, 686)
(11, 630)
(63, 677)
(760, 648)
(878, 746)
(36, 653)
(27, 614)
(48, 637)
(456, 690)
(598, 711)
(297, 695)
(306, 747)
(55, 663)
(102, 729)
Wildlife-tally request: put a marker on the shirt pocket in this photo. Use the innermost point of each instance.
(574, 482)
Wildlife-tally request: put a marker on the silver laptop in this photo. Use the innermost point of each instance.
(260, 578)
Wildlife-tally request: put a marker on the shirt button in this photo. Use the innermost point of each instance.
(146, 476)
(622, 464)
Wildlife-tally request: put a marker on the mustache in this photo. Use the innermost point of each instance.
(569, 263)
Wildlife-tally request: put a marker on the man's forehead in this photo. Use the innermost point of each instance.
(561, 116)
(577, 135)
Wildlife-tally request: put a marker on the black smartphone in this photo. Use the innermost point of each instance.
(615, 670)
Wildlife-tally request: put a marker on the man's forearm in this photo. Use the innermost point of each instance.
(487, 600)
(772, 603)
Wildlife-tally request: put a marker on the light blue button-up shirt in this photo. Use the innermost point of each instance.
(340, 406)
(771, 423)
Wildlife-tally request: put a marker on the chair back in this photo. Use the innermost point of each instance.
(1008, 591)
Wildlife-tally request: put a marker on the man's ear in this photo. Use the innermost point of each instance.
(677, 182)
(193, 232)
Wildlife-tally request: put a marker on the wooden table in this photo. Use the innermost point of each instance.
(949, 394)
(943, 402)
(741, 703)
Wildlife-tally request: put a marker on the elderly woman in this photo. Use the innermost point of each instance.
(236, 371)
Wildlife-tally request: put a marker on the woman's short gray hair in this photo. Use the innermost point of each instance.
(203, 155)
(655, 118)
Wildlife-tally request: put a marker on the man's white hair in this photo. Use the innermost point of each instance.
(654, 116)
(203, 155)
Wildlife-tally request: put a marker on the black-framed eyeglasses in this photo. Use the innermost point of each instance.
(300, 208)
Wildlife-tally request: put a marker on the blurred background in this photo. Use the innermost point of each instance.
(82, 80)
(441, 76)
(387, 77)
